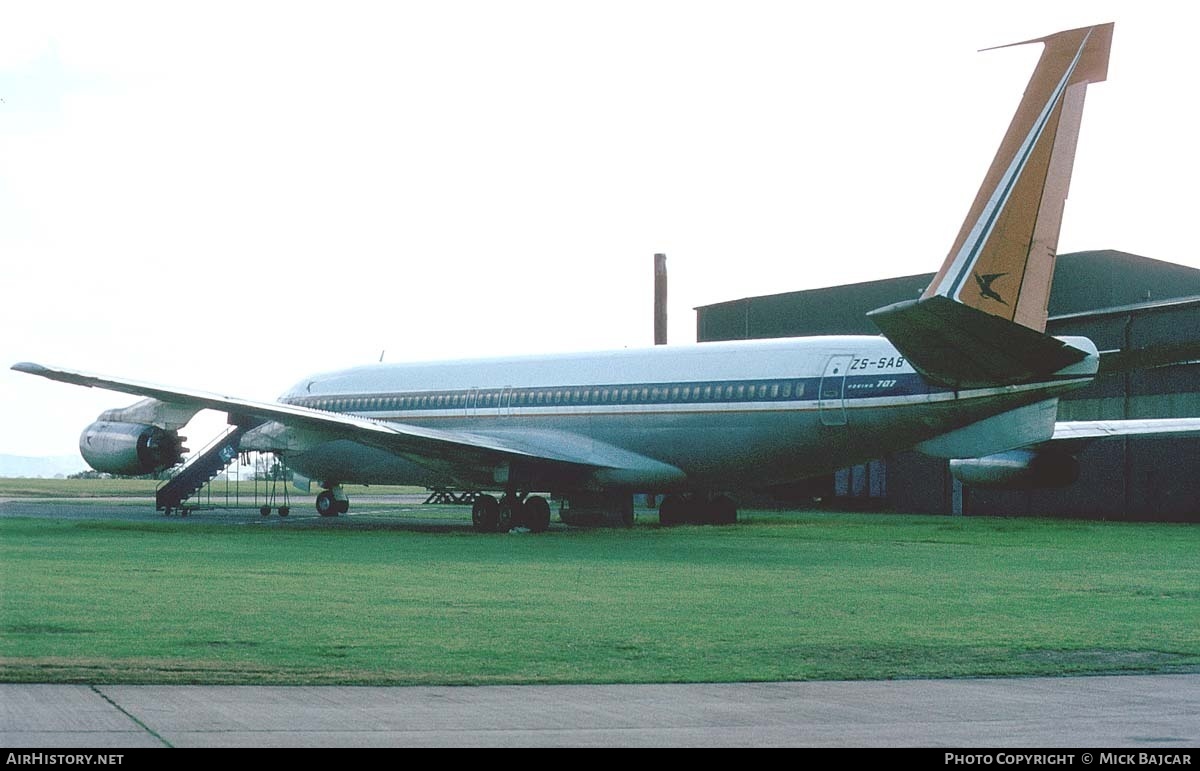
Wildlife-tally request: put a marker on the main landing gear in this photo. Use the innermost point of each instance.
(332, 502)
(696, 510)
(490, 515)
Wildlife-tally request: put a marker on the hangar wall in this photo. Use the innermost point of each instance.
(1120, 301)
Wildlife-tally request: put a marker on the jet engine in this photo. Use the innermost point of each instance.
(1017, 469)
(130, 449)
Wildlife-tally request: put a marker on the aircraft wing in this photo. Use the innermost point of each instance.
(416, 442)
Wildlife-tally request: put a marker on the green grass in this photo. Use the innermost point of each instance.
(779, 597)
(76, 488)
(124, 488)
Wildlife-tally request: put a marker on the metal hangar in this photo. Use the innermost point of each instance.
(1142, 307)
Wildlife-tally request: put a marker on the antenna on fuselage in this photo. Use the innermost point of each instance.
(381, 353)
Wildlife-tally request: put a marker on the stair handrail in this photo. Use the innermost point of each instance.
(194, 458)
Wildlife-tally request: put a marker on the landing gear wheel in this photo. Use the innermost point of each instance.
(265, 511)
(537, 514)
(284, 511)
(327, 505)
(485, 514)
(343, 506)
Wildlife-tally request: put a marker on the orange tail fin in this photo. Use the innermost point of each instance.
(1002, 262)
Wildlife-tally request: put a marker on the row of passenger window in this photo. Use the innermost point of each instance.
(578, 396)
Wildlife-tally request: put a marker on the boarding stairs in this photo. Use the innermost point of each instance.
(448, 496)
(199, 470)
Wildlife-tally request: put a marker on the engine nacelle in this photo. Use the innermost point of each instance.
(130, 449)
(1018, 469)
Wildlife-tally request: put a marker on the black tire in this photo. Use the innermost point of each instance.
(485, 514)
(284, 511)
(265, 511)
(343, 506)
(671, 511)
(327, 505)
(537, 514)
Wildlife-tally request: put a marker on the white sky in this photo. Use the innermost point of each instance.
(233, 195)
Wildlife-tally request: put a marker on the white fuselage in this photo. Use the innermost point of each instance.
(708, 416)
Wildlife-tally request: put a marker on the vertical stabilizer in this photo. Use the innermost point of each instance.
(1002, 261)
(982, 320)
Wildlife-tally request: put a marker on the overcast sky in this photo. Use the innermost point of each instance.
(232, 195)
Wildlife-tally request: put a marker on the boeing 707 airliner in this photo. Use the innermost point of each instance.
(964, 372)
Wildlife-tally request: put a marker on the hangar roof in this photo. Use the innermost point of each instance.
(1084, 282)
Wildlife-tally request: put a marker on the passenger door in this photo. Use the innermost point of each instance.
(831, 397)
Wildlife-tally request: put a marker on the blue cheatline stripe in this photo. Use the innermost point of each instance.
(983, 227)
(777, 390)
(490, 401)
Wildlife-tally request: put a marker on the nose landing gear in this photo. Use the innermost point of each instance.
(332, 502)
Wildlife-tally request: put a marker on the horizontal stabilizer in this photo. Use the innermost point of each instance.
(1161, 355)
(955, 345)
(1082, 430)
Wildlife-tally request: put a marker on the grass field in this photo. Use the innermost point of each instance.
(778, 597)
(76, 488)
(125, 488)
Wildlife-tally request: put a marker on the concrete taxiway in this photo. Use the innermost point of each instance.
(1147, 712)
